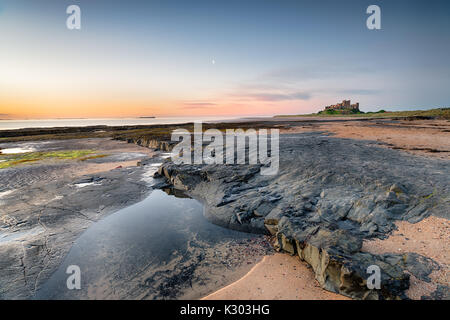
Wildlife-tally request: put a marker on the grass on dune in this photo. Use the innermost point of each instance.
(11, 160)
(439, 113)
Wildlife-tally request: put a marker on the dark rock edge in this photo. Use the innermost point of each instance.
(334, 255)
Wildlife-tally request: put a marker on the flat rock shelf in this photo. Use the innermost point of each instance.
(329, 195)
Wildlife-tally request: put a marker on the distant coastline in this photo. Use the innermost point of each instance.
(437, 113)
(14, 124)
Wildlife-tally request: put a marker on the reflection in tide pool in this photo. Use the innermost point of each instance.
(159, 248)
(16, 150)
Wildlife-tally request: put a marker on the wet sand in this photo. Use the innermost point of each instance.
(276, 277)
(430, 238)
(421, 137)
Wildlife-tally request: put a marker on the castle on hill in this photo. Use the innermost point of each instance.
(344, 107)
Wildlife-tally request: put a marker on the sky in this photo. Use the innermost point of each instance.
(225, 58)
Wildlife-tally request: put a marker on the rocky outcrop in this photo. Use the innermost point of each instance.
(328, 196)
(156, 144)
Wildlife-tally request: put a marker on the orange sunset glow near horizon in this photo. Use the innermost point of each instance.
(203, 58)
(46, 108)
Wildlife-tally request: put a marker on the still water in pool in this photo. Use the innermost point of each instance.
(159, 248)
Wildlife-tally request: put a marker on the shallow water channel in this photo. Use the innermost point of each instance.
(159, 248)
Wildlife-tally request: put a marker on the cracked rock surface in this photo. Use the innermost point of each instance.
(43, 208)
(329, 195)
(38, 236)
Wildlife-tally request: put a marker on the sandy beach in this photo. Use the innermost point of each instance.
(205, 151)
(422, 137)
(65, 192)
(270, 278)
(276, 277)
(428, 238)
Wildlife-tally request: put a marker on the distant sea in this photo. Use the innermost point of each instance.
(50, 123)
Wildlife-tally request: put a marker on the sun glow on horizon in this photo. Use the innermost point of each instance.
(144, 58)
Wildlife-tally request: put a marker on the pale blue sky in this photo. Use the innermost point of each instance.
(271, 57)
